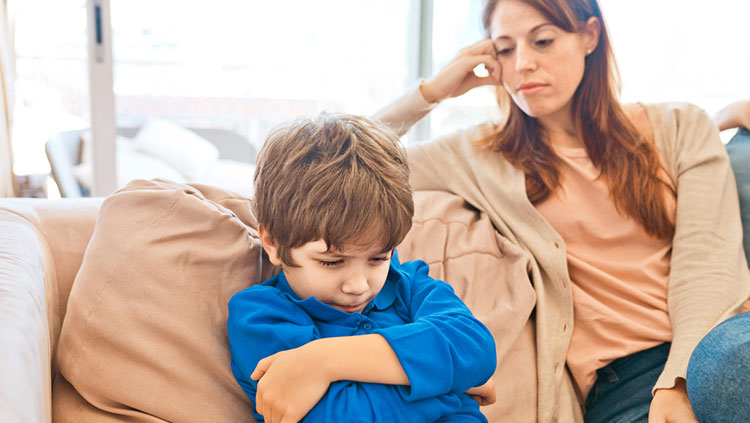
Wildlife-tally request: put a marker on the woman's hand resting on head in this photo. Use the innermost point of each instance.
(458, 77)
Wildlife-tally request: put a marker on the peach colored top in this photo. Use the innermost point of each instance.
(618, 272)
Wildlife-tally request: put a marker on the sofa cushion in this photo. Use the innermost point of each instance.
(230, 174)
(490, 274)
(186, 151)
(144, 338)
(131, 164)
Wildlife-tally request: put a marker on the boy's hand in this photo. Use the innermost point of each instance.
(485, 394)
(290, 383)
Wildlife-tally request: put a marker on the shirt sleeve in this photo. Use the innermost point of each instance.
(445, 348)
(709, 278)
(261, 322)
(405, 111)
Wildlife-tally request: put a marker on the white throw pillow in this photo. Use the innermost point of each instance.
(131, 164)
(230, 175)
(186, 151)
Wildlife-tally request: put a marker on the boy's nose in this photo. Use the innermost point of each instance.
(355, 285)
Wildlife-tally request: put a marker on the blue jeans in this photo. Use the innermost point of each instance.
(622, 392)
(718, 379)
(738, 149)
(718, 376)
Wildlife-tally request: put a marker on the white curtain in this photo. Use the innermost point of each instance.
(6, 99)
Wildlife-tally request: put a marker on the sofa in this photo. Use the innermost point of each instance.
(158, 149)
(114, 309)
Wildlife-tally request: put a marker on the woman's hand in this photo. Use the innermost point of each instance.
(733, 115)
(458, 77)
(485, 394)
(290, 383)
(671, 406)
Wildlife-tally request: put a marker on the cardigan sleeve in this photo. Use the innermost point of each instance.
(424, 158)
(709, 278)
(405, 111)
(432, 164)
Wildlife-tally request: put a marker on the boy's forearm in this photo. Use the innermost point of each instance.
(364, 358)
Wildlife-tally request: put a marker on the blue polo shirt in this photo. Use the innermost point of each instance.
(442, 348)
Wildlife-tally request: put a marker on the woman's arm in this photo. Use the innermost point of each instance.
(734, 115)
(454, 80)
(709, 278)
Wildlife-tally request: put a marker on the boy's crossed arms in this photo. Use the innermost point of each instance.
(414, 372)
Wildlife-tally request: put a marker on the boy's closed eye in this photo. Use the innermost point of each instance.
(373, 261)
(332, 263)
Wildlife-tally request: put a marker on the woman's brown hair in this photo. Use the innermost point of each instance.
(627, 161)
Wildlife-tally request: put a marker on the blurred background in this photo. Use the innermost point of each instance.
(247, 65)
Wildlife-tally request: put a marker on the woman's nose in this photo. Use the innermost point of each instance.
(525, 58)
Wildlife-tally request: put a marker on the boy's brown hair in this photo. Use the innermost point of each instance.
(337, 177)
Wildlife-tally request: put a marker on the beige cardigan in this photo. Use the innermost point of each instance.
(709, 278)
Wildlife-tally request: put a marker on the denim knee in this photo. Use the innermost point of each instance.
(718, 375)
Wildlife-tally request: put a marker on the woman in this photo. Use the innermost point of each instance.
(630, 214)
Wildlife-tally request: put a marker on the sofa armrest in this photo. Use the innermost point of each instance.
(26, 281)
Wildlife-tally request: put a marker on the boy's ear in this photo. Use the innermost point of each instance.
(269, 246)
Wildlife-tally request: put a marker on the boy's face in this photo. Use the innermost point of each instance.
(347, 280)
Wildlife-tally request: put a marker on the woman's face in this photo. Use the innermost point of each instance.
(542, 64)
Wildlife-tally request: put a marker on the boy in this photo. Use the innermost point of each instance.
(346, 333)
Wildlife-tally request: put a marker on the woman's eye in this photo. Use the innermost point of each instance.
(504, 51)
(544, 43)
(330, 263)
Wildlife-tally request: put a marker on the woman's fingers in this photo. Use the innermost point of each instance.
(458, 77)
(484, 46)
(489, 62)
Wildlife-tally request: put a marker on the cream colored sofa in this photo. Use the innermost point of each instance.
(41, 247)
(42, 244)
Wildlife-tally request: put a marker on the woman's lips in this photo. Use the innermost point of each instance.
(531, 88)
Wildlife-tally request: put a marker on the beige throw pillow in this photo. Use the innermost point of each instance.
(490, 274)
(144, 338)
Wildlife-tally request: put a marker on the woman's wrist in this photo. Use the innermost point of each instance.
(428, 94)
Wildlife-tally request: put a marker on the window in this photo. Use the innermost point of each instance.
(231, 64)
(51, 86)
(248, 66)
(677, 50)
(457, 24)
